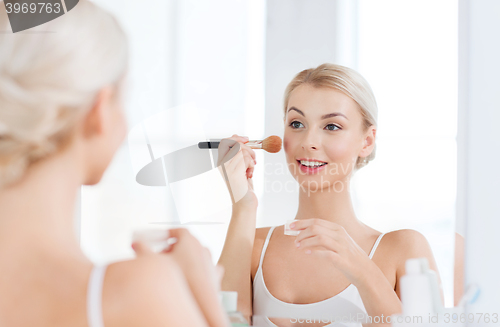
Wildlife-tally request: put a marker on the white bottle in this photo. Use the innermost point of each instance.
(229, 302)
(416, 295)
(435, 286)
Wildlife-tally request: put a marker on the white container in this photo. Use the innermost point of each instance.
(416, 294)
(435, 286)
(229, 302)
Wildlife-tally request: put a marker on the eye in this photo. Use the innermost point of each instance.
(295, 124)
(332, 127)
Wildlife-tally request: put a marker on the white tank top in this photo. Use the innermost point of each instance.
(347, 303)
(94, 296)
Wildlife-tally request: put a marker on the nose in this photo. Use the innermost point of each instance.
(311, 141)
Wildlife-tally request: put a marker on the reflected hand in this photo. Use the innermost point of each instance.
(194, 259)
(238, 161)
(329, 240)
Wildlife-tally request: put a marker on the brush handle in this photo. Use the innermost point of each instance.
(208, 145)
(215, 144)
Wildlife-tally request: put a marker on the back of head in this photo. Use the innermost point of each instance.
(49, 77)
(346, 80)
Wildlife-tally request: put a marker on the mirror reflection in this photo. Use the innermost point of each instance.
(386, 150)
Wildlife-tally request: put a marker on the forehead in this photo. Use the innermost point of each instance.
(317, 101)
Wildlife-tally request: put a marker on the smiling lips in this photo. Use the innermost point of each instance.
(311, 165)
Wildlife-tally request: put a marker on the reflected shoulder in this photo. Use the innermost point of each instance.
(407, 238)
(408, 244)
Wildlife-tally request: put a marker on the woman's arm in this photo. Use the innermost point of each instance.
(413, 244)
(236, 257)
(236, 162)
(379, 296)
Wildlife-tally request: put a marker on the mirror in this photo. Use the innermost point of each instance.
(233, 60)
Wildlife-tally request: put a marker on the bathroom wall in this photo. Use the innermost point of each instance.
(479, 176)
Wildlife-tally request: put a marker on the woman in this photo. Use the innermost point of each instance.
(61, 121)
(330, 118)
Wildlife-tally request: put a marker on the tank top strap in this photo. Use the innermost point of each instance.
(94, 296)
(268, 237)
(375, 245)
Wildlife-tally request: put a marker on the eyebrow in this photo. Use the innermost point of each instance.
(333, 114)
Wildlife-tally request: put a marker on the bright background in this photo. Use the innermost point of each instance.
(233, 59)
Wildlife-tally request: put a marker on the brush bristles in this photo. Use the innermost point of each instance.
(272, 144)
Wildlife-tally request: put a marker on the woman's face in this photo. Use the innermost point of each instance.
(113, 131)
(323, 127)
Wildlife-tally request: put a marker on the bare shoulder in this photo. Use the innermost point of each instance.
(261, 234)
(260, 238)
(407, 244)
(148, 291)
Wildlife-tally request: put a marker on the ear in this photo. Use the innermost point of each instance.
(368, 142)
(97, 118)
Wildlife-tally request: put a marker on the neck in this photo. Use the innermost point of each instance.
(332, 204)
(36, 213)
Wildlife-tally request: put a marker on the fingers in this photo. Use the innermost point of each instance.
(242, 139)
(304, 223)
(317, 230)
(249, 164)
(310, 244)
(241, 162)
(250, 151)
(227, 150)
(183, 239)
(228, 144)
(141, 248)
(178, 232)
(181, 234)
(309, 231)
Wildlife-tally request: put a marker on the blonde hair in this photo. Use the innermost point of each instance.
(49, 78)
(346, 80)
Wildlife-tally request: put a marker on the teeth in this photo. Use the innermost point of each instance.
(312, 163)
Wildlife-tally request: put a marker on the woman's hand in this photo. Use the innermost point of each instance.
(329, 240)
(204, 279)
(236, 162)
(194, 259)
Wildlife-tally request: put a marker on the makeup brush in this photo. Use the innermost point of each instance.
(271, 144)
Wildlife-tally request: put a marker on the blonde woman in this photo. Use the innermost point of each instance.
(61, 121)
(336, 264)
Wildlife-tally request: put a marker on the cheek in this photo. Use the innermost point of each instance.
(340, 151)
(121, 126)
(289, 144)
(286, 143)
